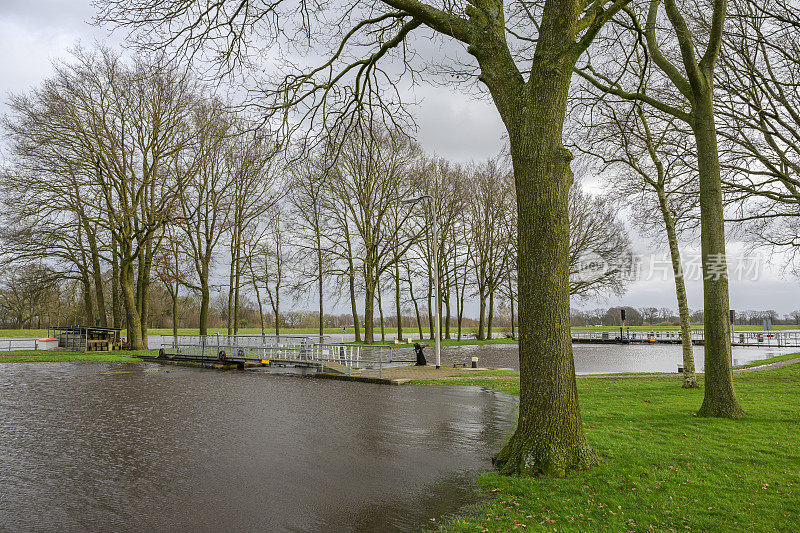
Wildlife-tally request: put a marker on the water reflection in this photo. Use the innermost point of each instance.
(135, 447)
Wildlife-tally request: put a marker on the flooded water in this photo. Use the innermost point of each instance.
(133, 447)
(603, 358)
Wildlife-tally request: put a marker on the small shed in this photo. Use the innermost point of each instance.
(87, 338)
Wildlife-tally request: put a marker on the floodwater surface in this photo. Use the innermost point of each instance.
(604, 358)
(136, 447)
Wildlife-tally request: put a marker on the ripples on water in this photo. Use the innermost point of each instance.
(135, 447)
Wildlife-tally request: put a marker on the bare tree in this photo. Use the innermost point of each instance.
(251, 163)
(372, 175)
(205, 204)
(690, 99)
(759, 76)
(649, 159)
(311, 226)
(489, 205)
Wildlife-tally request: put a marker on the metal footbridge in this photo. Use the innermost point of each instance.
(279, 350)
(673, 336)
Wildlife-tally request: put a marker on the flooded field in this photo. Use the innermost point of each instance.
(136, 447)
(604, 358)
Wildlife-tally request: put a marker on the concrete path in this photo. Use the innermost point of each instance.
(770, 366)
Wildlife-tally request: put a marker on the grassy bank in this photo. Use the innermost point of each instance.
(663, 468)
(41, 356)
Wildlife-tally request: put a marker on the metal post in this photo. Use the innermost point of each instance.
(438, 307)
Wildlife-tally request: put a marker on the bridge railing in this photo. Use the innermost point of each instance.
(249, 346)
(354, 356)
(257, 348)
(743, 338)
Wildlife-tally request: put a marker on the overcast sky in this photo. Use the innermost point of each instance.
(35, 32)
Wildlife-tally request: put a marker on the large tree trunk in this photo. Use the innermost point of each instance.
(205, 298)
(549, 437)
(353, 309)
(481, 313)
(416, 305)
(689, 377)
(97, 275)
(511, 298)
(320, 286)
(380, 314)
(397, 301)
(446, 302)
(174, 294)
(116, 304)
(430, 305)
(238, 282)
(460, 300)
(144, 319)
(369, 311)
(277, 311)
(132, 319)
(231, 274)
(720, 398)
(88, 303)
(490, 318)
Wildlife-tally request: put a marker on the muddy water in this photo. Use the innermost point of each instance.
(133, 447)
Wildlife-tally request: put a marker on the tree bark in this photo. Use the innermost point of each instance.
(87, 299)
(719, 399)
(446, 298)
(549, 438)
(490, 318)
(174, 294)
(132, 317)
(97, 275)
(430, 304)
(353, 309)
(380, 314)
(398, 310)
(369, 310)
(115, 289)
(416, 305)
(205, 298)
(320, 287)
(689, 377)
(481, 314)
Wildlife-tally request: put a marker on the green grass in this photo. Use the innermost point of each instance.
(41, 356)
(661, 467)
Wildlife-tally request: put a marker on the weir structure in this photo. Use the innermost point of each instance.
(673, 336)
(279, 350)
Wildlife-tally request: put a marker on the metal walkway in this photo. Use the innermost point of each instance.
(673, 336)
(279, 350)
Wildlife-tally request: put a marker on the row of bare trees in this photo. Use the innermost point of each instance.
(111, 162)
(123, 174)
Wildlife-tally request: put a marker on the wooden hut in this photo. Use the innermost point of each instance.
(87, 338)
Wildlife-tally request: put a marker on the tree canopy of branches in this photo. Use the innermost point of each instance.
(523, 54)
